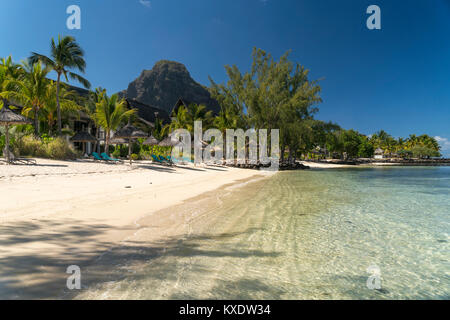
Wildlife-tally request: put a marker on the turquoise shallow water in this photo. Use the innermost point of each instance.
(304, 235)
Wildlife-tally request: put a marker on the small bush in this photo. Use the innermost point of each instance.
(52, 148)
(134, 157)
(29, 146)
(147, 151)
(2, 143)
(60, 149)
(120, 151)
(116, 153)
(145, 155)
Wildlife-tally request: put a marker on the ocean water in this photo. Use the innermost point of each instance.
(316, 234)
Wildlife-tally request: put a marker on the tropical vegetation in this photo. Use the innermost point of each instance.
(272, 94)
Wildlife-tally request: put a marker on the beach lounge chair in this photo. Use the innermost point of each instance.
(156, 159)
(159, 160)
(97, 157)
(108, 158)
(168, 159)
(15, 160)
(182, 160)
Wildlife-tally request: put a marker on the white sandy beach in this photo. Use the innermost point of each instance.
(59, 213)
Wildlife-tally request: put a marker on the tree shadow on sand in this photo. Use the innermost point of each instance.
(155, 260)
(45, 275)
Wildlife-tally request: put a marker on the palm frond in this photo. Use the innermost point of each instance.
(80, 79)
(36, 57)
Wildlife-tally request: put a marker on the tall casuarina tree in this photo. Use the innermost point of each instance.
(65, 54)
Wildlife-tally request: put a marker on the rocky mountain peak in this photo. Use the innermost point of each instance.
(165, 83)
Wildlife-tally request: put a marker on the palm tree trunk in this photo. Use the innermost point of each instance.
(97, 133)
(129, 151)
(129, 148)
(7, 143)
(36, 122)
(283, 148)
(107, 143)
(58, 107)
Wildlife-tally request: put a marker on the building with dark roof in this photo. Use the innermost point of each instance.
(146, 113)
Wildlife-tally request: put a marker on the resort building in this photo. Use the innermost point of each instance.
(379, 153)
(84, 134)
(83, 123)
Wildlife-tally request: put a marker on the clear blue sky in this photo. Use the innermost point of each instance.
(396, 79)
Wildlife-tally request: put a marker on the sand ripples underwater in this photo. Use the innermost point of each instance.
(296, 235)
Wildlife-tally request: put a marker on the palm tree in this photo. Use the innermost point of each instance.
(412, 141)
(31, 90)
(391, 145)
(429, 142)
(90, 108)
(65, 54)
(226, 119)
(382, 140)
(159, 131)
(199, 112)
(110, 113)
(67, 101)
(185, 117)
(181, 120)
(9, 71)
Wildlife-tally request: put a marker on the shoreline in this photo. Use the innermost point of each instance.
(330, 165)
(286, 237)
(100, 216)
(71, 216)
(159, 234)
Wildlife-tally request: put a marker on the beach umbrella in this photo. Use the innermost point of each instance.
(169, 142)
(9, 118)
(83, 137)
(130, 132)
(117, 141)
(151, 141)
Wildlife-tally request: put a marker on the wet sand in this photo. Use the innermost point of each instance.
(61, 213)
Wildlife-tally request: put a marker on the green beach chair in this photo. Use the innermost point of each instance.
(182, 160)
(156, 159)
(97, 157)
(108, 158)
(167, 160)
(159, 160)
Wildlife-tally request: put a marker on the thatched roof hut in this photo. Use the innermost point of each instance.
(118, 141)
(169, 142)
(130, 132)
(83, 137)
(151, 141)
(379, 151)
(8, 117)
